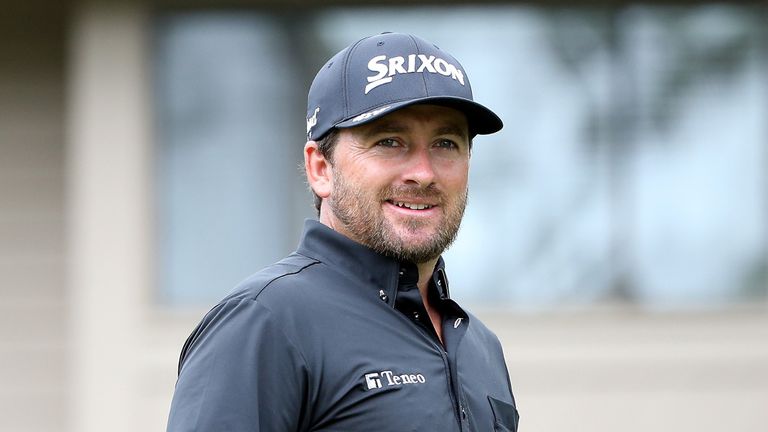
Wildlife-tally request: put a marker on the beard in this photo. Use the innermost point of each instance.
(362, 215)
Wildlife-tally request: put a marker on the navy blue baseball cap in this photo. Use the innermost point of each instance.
(380, 74)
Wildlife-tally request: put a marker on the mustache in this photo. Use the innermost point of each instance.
(407, 191)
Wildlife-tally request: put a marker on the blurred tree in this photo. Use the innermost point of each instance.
(699, 46)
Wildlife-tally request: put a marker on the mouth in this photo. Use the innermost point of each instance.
(411, 205)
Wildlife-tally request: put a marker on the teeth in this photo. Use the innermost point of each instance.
(412, 206)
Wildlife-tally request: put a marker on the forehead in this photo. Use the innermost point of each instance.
(439, 119)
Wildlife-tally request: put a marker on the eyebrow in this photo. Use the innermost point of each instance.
(384, 128)
(452, 129)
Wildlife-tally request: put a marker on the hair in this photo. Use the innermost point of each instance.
(325, 146)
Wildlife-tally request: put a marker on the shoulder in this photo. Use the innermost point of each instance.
(481, 334)
(286, 292)
(256, 298)
(292, 271)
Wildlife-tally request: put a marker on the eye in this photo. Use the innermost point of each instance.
(447, 144)
(388, 142)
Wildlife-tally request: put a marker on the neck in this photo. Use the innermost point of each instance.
(425, 275)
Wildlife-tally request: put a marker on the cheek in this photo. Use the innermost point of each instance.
(455, 175)
(373, 176)
(367, 182)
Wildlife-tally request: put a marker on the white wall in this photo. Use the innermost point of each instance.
(622, 370)
(108, 179)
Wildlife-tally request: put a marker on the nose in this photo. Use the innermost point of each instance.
(419, 168)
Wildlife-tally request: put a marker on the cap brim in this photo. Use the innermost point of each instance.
(481, 120)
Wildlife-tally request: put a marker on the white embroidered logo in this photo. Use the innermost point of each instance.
(311, 122)
(372, 381)
(375, 380)
(387, 68)
(370, 114)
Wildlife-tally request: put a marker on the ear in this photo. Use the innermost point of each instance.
(318, 170)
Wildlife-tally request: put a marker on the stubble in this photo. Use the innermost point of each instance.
(363, 218)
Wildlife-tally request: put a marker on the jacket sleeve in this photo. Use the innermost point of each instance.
(239, 372)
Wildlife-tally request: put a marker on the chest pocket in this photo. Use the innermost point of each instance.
(505, 417)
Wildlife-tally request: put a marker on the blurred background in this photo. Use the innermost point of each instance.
(616, 237)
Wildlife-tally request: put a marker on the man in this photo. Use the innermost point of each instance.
(356, 331)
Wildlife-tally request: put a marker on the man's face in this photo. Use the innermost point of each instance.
(399, 184)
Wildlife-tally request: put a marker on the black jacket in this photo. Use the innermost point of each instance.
(335, 338)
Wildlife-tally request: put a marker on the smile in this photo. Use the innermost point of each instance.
(412, 206)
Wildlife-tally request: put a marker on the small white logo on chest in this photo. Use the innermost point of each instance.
(388, 378)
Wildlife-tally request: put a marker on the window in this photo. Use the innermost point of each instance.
(228, 122)
(633, 165)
